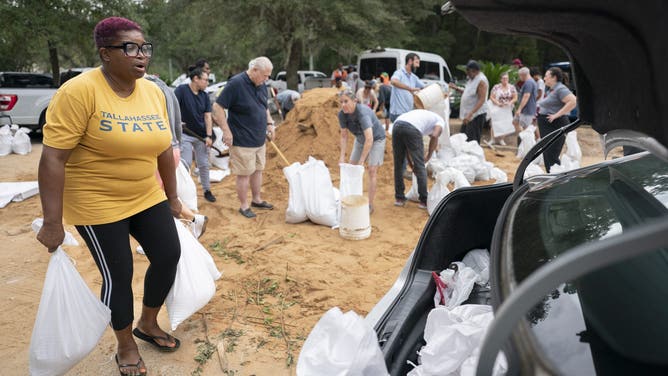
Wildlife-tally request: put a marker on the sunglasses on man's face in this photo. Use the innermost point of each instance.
(131, 49)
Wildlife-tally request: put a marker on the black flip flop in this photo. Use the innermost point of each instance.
(128, 365)
(247, 213)
(262, 205)
(152, 340)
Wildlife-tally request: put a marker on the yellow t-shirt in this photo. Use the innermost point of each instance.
(115, 142)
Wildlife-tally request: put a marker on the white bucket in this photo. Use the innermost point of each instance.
(355, 221)
(428, 97)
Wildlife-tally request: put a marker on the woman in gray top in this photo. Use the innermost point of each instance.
(369, 134)
(553, 112)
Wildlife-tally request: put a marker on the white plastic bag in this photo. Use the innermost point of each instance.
(296, 211)
(194, 284)
(319, 200)
(527, 141)
(473, 148)
(21, 142)
(573, 148)
(351, 179)
(533, 170)
(70, 319)
(222, 163)
(457, 177)
(438, 190)
(5, 140)
(413, 194)
(478, 260)
(458, 284)
(498, 175)
(453, 340)
(341, 344)
(483, 171)
(185, 187)
(434, 166)
(457, 141)
(465, 163)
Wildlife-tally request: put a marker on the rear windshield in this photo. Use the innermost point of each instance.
(373, 67)
(25, 80)
(611, 321)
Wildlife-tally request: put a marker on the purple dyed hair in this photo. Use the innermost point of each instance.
(106, 30)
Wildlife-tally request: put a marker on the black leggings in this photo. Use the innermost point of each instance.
(109, 244)
(473, 129)
(551, 154)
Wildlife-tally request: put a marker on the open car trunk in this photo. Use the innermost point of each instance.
(463, 221)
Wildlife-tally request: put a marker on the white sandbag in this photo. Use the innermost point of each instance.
(5, 140)
(569, 163)
(457, 141)
(573, 147)
(478, 260)
(186, 189)
(21, 142)
(453, 337)
(351, 180)
(533, 170)
(194, 284)
(438, 190)
(484, 171)
(17, 191)
(498, 175)
(434, 166)
(465, 163)
(69, 239)
(296, 211)
(341, 344)
(216, 176)
(70, 319)
(446, 152)
(413, 194)
(222, 163)
(473, 148)
(527, 141)
(458, 284)
(319, 200)
(457, 177)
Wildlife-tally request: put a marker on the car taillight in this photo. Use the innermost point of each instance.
(7, 101)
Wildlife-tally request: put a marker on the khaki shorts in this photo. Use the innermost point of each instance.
(245, 161)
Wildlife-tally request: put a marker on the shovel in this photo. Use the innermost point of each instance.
(193, 134)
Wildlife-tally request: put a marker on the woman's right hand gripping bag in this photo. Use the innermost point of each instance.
(70, 320)
(194, 284)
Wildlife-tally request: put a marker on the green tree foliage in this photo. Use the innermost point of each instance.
(47, 34)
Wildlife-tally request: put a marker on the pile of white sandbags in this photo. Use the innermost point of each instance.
(14, 140)
(572, 158)
(311, 194)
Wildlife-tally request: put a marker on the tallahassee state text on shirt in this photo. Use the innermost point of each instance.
(127, 123)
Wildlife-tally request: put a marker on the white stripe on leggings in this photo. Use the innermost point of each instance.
(106, 275)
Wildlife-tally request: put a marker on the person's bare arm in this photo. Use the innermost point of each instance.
(344, 145)
(208, 125)
(374, 101)
(398, 84)
(480, 91)
(221, 120)
(271, 127)
(523, 102)
(513, 100)
(368, 143)
(570, 102)
(51, 180)
(433, 141)
(167, 172)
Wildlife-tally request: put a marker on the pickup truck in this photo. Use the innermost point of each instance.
(24, 97)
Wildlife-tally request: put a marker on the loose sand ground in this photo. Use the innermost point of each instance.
(278, 279)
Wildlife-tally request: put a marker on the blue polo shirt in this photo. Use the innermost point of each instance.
(401, 100)
(193, 108)
(247, 110)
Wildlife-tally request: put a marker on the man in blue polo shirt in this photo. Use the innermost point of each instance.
(245, 130)
(196, 116)
(404, 84)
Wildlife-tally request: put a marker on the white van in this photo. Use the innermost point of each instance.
(433, 68)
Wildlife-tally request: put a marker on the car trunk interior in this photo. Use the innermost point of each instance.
(464, 221)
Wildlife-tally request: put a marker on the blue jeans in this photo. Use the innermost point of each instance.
(188, 144)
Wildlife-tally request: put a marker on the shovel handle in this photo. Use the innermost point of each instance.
(279, 153)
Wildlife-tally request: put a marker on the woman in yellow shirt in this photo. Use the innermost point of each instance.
(106, 133)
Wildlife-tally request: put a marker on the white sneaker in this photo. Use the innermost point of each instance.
(198, 225)
(140, 250)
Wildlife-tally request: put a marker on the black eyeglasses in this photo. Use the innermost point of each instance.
(131, 49)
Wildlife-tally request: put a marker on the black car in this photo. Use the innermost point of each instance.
(579, 260)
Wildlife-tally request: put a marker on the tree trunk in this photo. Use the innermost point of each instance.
(55, 66)
(292, 65)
